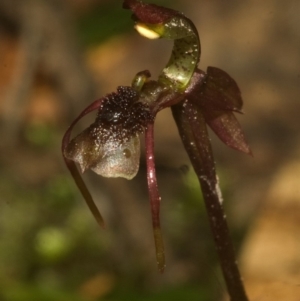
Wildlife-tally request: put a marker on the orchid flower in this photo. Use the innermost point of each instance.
(111, 145)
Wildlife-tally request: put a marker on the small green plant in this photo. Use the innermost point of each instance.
(111, 145)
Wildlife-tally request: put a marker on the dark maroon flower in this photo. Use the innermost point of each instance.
(111, 146)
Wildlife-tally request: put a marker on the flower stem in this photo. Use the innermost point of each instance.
(193, 132)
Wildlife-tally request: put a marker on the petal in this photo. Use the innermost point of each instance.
(215, 90)
(227, 128)
(225, 87)
(216, 94)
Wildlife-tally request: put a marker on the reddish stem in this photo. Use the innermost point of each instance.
(154, 197)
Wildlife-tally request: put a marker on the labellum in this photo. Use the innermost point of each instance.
(111, 145)
(114, 157)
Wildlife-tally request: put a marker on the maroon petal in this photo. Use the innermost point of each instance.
(215, 90)
(228, 129)
(149, 13)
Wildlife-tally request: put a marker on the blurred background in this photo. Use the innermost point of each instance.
(56, 57)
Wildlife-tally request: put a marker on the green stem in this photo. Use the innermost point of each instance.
(185, 53)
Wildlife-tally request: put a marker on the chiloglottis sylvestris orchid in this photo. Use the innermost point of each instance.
(111, 145)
